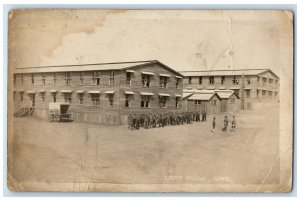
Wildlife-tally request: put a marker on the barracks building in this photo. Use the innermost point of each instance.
(104, 93)
(255, 88)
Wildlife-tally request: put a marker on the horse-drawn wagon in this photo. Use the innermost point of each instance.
(58, 112)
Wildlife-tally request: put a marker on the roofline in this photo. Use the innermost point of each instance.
(225, 70)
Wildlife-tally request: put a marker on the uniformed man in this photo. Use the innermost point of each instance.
(225, 123)
(233, 124)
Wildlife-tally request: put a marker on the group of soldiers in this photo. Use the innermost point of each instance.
(153, 120)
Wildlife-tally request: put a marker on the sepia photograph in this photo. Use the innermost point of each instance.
(150, 100)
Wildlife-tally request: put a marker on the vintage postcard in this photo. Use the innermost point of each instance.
(150, 100)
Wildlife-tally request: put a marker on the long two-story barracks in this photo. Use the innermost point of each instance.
(255, 87)
(104, 93)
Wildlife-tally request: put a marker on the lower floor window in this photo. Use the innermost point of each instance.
(177, 100)
(248, 93)
(80, 98)
(162, 101)
(197, 102)
(42, 97)
(127, 100)
(110, 100)
(232, 100)
(145, 102)
(95, 99)
(214, 102)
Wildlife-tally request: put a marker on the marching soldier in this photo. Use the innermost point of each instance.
(225, 123)
(233, 124)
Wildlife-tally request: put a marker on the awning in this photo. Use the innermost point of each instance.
(110, 92)
(147, 73)
(178, 77)
(21, 90)
(80, 91)
(177, 95)
(237, 87)
(164, 75)
(247, 88)
(129, 92)
(30, 92)
(66, 91)
(147, 93)
(53, 91)
(94, 92)
(130, 71)
(222, 88)
(41, 91)
(163, 94)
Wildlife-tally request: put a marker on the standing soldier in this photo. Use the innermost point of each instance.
(214, 124)
(203, 115)
(233, 124)
(130, 121)
(225, 123)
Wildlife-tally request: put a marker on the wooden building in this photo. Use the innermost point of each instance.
(103, 93)
(230, 102)
(255, 87)
(201, 100)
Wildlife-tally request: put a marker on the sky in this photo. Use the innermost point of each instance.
(183, 40)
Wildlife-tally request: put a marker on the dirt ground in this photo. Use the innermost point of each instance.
(84, 152)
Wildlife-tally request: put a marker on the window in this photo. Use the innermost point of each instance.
(235, 80)
(54, 78)
(270, 81)
(177, 83)
(162, 101)
(68, 97)
(248, 81)
(177, 100)
(248, 93)
(211, 80)
(43, 79)
(263, 93)
(95, 99)
(22, 79)
(67, 78)
(197, 102)
(257, 92)
(110, 100)
(128, 78)
(54, 97)
(82, 80)
(222, 79)
(14, 96)
(270, 93)
(21, 96)
(264, 81)
(146, 80)
(111, 78)
(214, 102)
(190, 80)
(127, 100)
(200, 80)
(232, 100)
(96, 78)
(163, 81)
(32, 79)
(15, 80)
(42, 94)
(145, 102)
(80, 95)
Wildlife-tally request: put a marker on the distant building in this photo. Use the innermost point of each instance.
(103, 93)
(255, 87)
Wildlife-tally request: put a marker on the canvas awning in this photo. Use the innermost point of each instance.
(163, 94)
(94, 92)
(129, 92)
(247, 88)
(164, 75)
(110, 92)
(147, 94)
(80, 91)
(178, 76)
(147, 73)
(41, 91)
(237, 87)
(177, 95)
(130, 71)
(53, 91)
(30, 92)
(66, 91)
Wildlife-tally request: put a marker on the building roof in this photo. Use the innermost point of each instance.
(92, 67)
(202, 96)
(225, 94)
(226, 72)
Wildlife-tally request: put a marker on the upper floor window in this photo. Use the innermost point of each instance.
(111, 78)
(43, 79)
(270, 81)
(128, 78)
(177, 101)
(68, 78)
(68, 97)
(248, 93)
(235, 80)
(22, 79)
(145, 101)
(248, 80)
(264, 80)
(146, 80)
(163, 81)
(96, 78)
(190, 80)
(200, 80)
(80, 96)
(32, 79)
(177, 82)
(110, 100)
(211, 80)
(42, 95)
(95, 99)
(82, 79)
(222, 79)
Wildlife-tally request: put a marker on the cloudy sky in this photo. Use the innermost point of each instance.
(184, 40)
